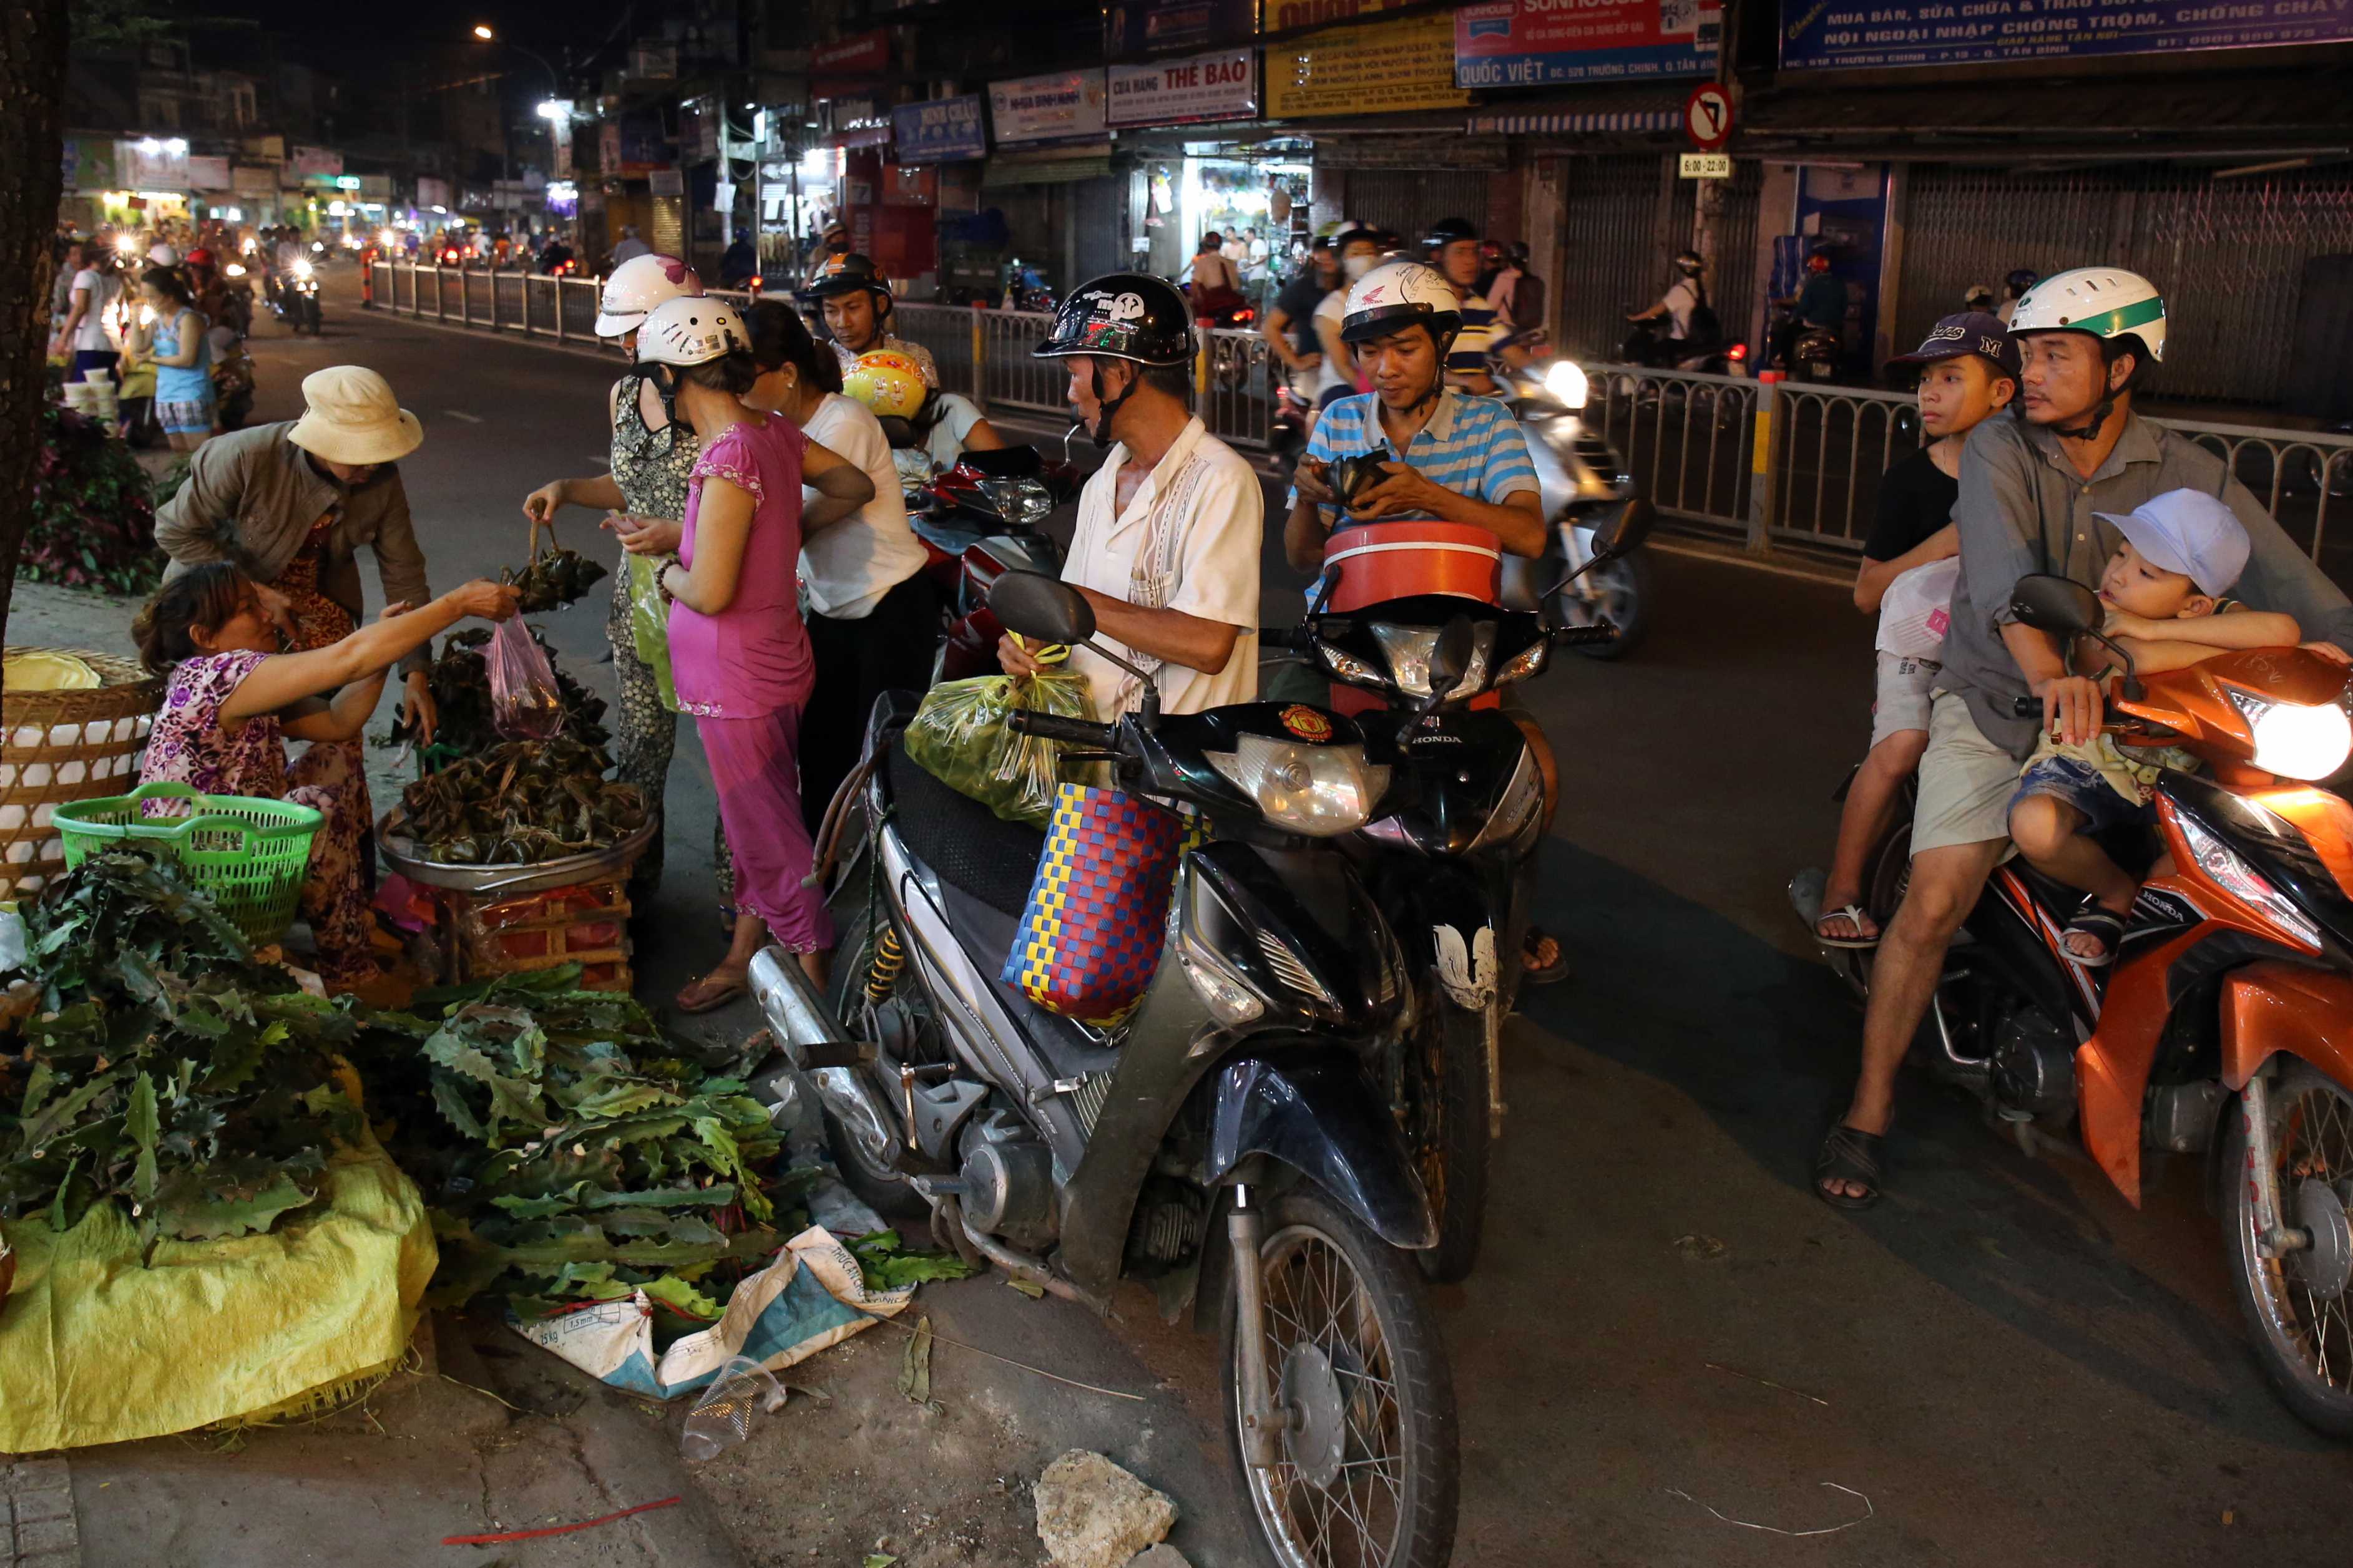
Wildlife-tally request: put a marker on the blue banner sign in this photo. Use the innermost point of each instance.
(940, 131)
(1829, 34)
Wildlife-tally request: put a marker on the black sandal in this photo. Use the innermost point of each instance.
(1530, 974)
(2093, 920)
(1848, 1154)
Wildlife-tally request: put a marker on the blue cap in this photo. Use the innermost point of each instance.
(2190, 532)
(1966, 332)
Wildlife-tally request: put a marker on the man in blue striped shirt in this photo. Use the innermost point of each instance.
(1446, 456)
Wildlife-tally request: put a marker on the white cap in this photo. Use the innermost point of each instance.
(2190, 532)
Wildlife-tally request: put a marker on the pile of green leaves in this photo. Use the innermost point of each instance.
(599, 1159)
(522, 802)
(91, 522)
(166, 1070)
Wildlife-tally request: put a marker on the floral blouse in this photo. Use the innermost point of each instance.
(652, 467)
(189, 746)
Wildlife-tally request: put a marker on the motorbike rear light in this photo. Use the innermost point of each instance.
(2227, 870)
(1317, 790)
(1736, 351)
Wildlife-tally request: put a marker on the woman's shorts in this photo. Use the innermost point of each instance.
(1904, 683)
(185, 418)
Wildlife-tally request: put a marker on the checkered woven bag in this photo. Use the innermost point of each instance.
(1090, 939)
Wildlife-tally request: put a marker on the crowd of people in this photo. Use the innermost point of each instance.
(143, 332)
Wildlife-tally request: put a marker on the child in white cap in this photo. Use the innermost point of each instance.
(2163, 591)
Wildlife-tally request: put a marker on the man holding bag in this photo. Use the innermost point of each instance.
(1167, 547)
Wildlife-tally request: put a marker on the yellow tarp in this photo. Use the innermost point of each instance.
(96, 1348)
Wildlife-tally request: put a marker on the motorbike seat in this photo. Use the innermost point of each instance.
(960, 840)
(988, 937)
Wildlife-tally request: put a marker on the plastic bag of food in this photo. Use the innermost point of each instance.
(649, 623)
(526, 703)
(960, 737)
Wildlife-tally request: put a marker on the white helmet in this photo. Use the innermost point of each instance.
(639, 284)
(690, 330)
(2106, 301)
(1397, 292)
(162, 255)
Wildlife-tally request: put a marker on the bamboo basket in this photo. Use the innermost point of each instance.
(60, 746)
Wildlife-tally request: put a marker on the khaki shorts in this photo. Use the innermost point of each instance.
(1965, 782)
(1905, 684)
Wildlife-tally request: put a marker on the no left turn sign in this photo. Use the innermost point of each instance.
(1708, 116)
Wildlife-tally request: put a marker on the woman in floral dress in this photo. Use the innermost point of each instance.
(234, 699)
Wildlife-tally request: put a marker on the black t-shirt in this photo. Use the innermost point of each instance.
(1915, 500)
(1297, 302)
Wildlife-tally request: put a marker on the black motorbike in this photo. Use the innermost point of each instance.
(294, 295)
(1231, 1143)
(1448, 857)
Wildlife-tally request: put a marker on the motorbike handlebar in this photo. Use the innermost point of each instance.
(1054, 727)
(1295, 639)
(2026, 706)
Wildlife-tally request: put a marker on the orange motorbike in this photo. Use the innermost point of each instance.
(2225, 1025)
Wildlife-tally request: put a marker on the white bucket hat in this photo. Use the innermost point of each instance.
(636, 286)
(351, 416)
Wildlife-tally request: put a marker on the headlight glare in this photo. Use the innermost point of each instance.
(2296, 741)
(1566, 382)
(1317, 790)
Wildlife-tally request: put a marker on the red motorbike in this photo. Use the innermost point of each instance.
(978, 521)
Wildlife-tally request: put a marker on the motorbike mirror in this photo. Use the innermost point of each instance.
(1449, 658)
(1042, 607)
(1621, 534)
(2055, 605)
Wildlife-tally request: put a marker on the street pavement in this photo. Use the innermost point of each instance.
(1668, 1340)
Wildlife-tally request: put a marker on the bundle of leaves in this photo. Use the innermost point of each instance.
(92, 523)
(598, 1158)
(554, 580)
(461, 693)
(168, 1070)
(522, 802)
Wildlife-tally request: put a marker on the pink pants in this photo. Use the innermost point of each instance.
(756, 764)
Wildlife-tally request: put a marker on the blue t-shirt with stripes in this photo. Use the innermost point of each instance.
(1471, 445)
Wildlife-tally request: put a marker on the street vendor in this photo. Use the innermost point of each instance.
(234, 699)
(289, 504)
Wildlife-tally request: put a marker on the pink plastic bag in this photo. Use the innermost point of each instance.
(524, 702)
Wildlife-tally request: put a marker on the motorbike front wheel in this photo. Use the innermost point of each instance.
(1368, 1471)
(1620, 591)
(1446, 1098)
(2299, 1308)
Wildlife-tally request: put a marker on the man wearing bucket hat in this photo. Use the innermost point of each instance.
(2035, 494)
(292, 503)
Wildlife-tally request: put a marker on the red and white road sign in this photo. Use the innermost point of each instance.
(1708, 116)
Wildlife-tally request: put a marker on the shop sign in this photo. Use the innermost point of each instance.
(89, 164)
(254, 179)
(1285, 16)
(653, 61)
(609, 147)
(432, 193)
(208, 173)
(1405, 64)
(643, 144)
(1938, 33)
(1535, 43)
(938, 130)
(835, 67)
(375, 187)
(149, 164)
(1142, 27)
(310, 160)
(1220, 85)
(1065, 106)
(1707, 165)
(666, 182)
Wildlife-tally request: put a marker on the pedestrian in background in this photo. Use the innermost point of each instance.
(630, 247)
(69, 264)
(175, 343)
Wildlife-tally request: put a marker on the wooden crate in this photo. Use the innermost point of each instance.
(588, 925)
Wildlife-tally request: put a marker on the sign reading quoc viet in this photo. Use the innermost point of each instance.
(1533, 43)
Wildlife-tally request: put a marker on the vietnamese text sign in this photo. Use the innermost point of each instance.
(1405, 64)
(309, 160)
(1141, 26)
(1942, 32)
(1531, 43)
(1221, 86)
(942, 128)
(1065, 106)
(208, 173)
(1285, 16)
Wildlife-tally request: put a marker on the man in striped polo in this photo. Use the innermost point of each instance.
(1453, 248)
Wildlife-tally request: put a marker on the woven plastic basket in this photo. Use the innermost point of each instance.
(248, 854)
(60, 746)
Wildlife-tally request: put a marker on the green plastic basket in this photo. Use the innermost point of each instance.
(249, 855)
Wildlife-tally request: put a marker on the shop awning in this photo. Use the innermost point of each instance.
(1033, 169)
(1590, 124)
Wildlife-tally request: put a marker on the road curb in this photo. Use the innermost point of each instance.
(36, 1514)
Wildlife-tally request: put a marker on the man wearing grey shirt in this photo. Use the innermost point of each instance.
(2031, 490)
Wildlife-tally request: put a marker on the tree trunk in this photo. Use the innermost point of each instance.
(32, 86)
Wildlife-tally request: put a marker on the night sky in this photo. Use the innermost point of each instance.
(345, 37)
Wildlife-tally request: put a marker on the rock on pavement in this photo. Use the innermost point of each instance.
(1092, 1514)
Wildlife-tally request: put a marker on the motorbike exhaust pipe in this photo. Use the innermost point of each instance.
(805, 1029)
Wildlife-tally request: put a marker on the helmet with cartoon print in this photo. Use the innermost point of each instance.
(1122, 315)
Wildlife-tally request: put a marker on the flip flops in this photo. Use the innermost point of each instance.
(1848, 1154)
(2093, 920)
(1853, 912)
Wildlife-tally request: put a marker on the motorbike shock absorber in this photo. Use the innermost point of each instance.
(883, 974)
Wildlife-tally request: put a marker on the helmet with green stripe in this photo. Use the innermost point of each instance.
(2107, 302)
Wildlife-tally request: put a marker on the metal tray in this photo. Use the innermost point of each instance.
(400, 853)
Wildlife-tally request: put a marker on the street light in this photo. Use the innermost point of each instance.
(554, 108)
(482, 31)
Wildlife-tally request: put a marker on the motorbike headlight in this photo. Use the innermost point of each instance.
(302, 267)
(1022, 501)
(1525, 663)
(234, 269)
(1341, 665)
(1409, 651)
(1565, 381)
(1229, 994)
(2229, 870)
(2291, 739)
(1318, 791)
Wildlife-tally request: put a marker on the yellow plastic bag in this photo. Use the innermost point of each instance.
(960, 737)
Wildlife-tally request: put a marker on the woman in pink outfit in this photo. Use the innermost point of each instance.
(739, 655)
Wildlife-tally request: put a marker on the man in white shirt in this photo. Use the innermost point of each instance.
(630, 247)
(1167, 547)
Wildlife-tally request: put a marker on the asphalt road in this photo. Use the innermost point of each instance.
(2003, 1363)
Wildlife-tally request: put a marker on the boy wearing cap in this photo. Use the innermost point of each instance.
(2163, 589)
(1969, 372)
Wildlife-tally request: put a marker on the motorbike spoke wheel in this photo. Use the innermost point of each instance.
(1366, 1470)
(2299, 1307)
(1620, 591)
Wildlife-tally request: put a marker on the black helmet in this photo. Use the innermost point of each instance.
(1688, 262)
(1122, 315)
(846, 274)
(2022, 279)
(1447, 230)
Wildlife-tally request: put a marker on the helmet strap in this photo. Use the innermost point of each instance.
(1101, 433)
(2090, 429)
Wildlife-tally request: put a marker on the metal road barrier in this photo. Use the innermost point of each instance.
(1793, 463)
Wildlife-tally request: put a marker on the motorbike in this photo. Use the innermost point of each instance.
(1228, 356)
(233, 385)
(294, 296)
(2220, 1028)
(1025, 289)
(1448, 857)
(1647, 344)
(979, 521)
(1294, 418)
(1812, 352)
(1228, 1143)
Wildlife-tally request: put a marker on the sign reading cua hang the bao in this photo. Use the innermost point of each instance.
(1222, 85)
(1062, 106)
(1535, 43)
(1885, 33)
(1404, 64)
(937, 131)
